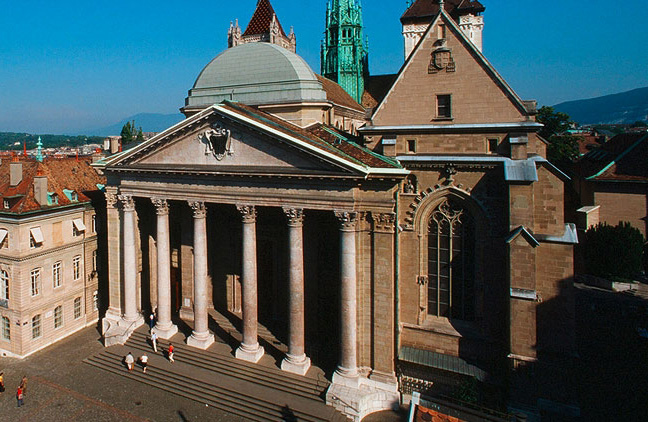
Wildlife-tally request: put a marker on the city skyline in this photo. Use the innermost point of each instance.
(72, 66)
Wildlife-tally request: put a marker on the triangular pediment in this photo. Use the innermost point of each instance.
(446, 63)
(219, 141)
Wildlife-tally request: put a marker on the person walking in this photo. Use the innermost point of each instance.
(23, 384)
(170, 352)
(151, 321)
(130, 361)
(154, 341)
(2, 387)
(20, 396)
(144, 362)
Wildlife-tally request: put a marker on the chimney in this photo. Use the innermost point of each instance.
(40, 189)
(15, 173)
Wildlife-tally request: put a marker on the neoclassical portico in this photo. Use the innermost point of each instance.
(232, 161)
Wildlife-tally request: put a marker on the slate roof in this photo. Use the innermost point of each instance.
(261, 19)
(62, 173)
(321, 136)
(425, 9)
(376, 88)
(336, 94)
(622, 158)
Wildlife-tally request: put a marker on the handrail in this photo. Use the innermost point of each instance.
(117, 335)
(344, 403)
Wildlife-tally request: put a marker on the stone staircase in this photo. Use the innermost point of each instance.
(256, 392)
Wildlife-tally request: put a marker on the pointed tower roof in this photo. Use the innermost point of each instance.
(421, 9)
(261, 20)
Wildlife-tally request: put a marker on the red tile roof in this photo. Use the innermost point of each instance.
(422, 9)
(428, 415)
(261, 19)
(62, 173)
(321, 136)
(587, 143)
(336, 94)
(376, 88)
(622, 158)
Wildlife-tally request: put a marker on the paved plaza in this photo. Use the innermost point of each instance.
(61, 387)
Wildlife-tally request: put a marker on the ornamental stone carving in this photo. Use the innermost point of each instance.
(161, 206)
(295, 216)
(111, 200)
(218, 141)
(347, 219)
(199, 209)
(248, 213)
(383, 222)
(127, 202)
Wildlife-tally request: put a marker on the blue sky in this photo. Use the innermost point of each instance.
(68, 65)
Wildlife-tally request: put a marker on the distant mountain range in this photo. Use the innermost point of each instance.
(623, 108)
(149, 122)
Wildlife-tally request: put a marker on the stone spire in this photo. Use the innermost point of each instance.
(344, 51)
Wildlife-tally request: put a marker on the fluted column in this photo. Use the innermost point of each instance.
(347, 371)
(129, 260)
(249, 349)
(200, 337)
(164, 327)
(296, 360)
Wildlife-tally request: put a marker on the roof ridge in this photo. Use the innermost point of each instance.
(619, 157)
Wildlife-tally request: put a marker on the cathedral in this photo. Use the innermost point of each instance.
(402, 232)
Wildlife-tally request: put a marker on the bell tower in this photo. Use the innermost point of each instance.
(344, 52)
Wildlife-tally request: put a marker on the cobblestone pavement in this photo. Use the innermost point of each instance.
(61, 387)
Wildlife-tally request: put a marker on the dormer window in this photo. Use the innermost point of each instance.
(52, 198)
(5, 204)
(71, 195)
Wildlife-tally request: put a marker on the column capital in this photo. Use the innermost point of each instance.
(199, 209)
(127, 202)
(347, 219)
(295, 216)
(383, 222)
(161, 206)
(111, 199)
(248, 213)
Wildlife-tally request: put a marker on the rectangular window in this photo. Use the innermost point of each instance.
(58, 317)
(94, 260)
(411, 145)
(56, 274)
(5, 204)
(77, 308)
(441, 31)
(95, 301)
(35, 282)
(35, 237)
(4, 238)
(36, 326)
(444, 106)
(94, 223)
(76, 267)
(6, 328)
(492, 145)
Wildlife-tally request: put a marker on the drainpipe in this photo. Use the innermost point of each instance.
(397, 272)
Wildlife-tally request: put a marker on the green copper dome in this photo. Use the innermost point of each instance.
(256, 73)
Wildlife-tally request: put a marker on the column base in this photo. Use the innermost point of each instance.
(347, 377)
(200, 341)
(297, 365)
(250, 354)
(363, 398)
(166, 332)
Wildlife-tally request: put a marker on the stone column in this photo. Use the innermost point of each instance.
(200, 337)
(164, 327)
(347, 371)
(130, 259)
(114, 234)
(296, 360)
(249, 350)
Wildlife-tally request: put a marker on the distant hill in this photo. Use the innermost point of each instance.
(149, 122)
(623, 108)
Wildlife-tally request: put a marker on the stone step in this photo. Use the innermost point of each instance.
(245, 400)
(228, 365)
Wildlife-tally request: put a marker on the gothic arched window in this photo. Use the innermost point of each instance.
(451, 262)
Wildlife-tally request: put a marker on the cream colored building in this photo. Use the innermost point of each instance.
(48, 254)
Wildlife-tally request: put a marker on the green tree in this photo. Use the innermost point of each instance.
(563, 147)
(639, 123)
(614, 251)
(128, 133)
(140, 136)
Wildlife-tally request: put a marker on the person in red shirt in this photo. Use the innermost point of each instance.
(170, 352)
(20, 396)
